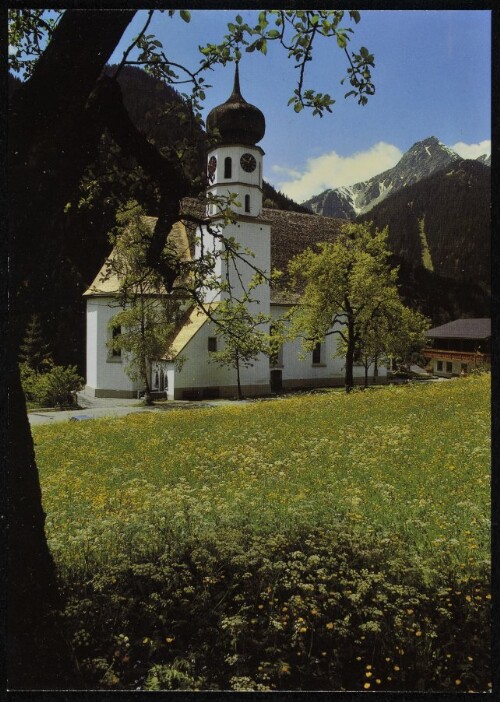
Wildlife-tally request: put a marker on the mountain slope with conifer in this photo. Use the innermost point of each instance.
(442, 223)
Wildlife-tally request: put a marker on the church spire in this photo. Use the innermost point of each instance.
(236, 94)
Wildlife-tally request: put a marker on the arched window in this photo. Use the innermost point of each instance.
(247, 203)
(228, 167)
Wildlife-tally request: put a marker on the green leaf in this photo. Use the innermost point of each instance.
(186, 15)
(273, 34)
(341, 40)
(298, 107)
(239, 19)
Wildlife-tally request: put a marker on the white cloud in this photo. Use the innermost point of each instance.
(472, 150)
(333, 171)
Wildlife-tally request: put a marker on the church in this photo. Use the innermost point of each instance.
(271, 237)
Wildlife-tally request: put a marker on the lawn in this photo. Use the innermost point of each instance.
(383, 495)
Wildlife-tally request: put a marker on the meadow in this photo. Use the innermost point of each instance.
(323, 541)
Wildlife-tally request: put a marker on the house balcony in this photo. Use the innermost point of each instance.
(474, 358)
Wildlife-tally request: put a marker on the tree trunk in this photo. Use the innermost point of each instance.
(367, 365)
(349, 356)
(38, 656)
(51, 140)
(240, 393)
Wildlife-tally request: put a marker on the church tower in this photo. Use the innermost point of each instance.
(235, 166)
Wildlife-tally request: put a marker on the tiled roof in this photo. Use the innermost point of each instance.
(463, 329)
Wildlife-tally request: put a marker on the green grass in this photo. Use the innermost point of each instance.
(411, 463)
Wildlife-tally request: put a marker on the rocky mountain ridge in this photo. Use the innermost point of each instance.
(420, 161)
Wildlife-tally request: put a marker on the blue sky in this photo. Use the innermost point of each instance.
(432, 77)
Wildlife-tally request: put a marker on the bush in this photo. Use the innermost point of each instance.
(56, 388)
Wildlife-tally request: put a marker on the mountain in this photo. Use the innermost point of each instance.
(484, 159)
(442, 223)
(424, 158)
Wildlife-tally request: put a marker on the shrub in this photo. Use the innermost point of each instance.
(56, 388)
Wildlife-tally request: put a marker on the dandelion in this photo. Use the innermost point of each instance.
(367, 685)
(330, 626)
(458, 682)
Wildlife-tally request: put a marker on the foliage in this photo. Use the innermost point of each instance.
(350, 290)
(259, 549)
(28, 32)
(34, 350)
(53, 388)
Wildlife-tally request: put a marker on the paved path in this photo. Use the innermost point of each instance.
(93, 408)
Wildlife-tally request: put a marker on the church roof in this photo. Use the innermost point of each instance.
(291, 233)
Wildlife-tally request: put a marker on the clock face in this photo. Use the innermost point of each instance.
(248, 163)
(212, 165)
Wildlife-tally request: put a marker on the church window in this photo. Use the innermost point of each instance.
(116, 353)
(212, 344)
(228, 167)
(157, 382)
(439, 366)
(316, 354)
(247, 203)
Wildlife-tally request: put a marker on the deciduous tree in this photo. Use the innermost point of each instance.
(149, 313)
(350, 290)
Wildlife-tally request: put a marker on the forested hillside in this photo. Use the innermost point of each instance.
(442, 223)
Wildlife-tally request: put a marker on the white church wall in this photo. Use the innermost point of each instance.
(199, 375)
(254, 236)
(297, 367)
(106, 376)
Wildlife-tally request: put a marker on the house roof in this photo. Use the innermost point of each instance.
(190, 326)
(462, 329)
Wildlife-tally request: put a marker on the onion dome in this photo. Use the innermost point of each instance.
(238, 122)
